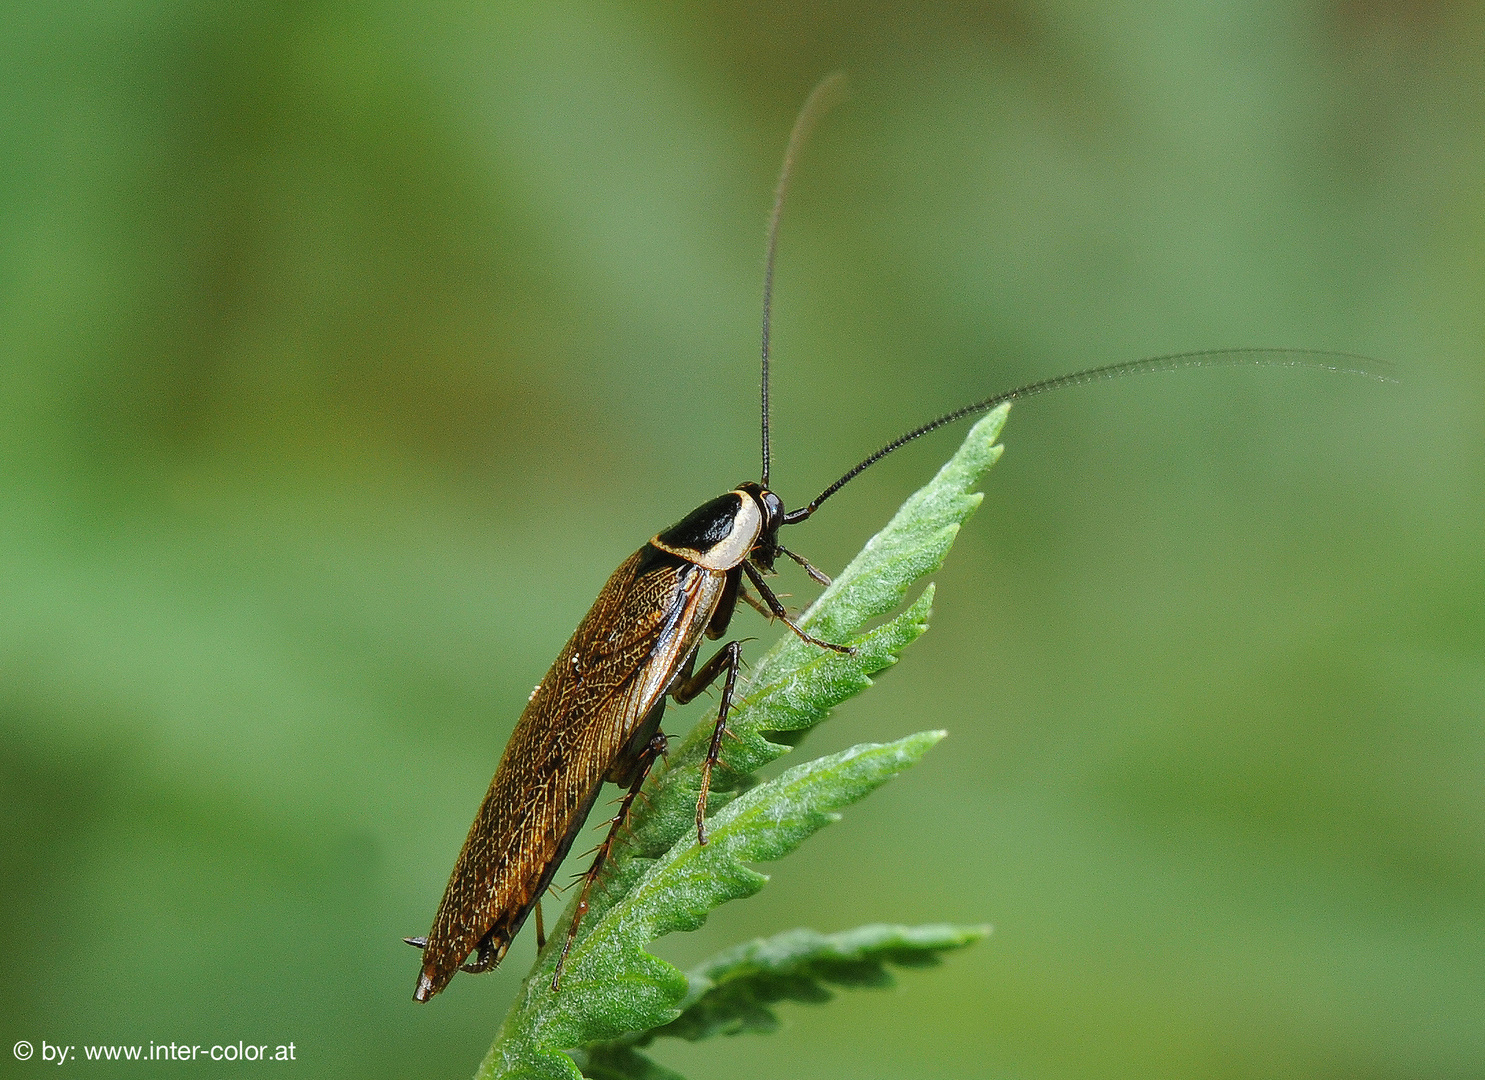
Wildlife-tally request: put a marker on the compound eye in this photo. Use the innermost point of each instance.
(773, 508)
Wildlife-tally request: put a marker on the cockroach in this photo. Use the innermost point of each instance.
(595, 716)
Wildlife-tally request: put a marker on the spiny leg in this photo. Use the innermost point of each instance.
(485, 957)
(729, 656)
(714, 748)
(655, 749)
(777, 608)
(753, 602)
(688, 687)
(818, 575)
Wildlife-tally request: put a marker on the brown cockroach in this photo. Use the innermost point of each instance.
(595, 716)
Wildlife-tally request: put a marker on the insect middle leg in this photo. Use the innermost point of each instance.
(656, 747)
(728, 657)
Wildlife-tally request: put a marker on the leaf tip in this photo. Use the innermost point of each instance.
(916, 745)
(988, 428)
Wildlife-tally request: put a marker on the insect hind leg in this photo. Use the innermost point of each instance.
(488, 953)
(656, 747)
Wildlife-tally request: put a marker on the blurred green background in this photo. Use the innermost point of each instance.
(347, 347)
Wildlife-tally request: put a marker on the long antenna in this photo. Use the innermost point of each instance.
(826, 93)
(1341, 362)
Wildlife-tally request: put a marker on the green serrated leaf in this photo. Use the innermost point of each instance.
(617, 1061)
(732, 993)
(611, 986)
(659, 880)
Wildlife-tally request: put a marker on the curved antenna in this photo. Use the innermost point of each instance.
(826, 93)
(1340, 362)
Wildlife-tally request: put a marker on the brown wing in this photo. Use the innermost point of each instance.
(617, 665)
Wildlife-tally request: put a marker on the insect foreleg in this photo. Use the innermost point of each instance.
(541, 930)
(776, 607)
(809, 568)
(656, 747)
